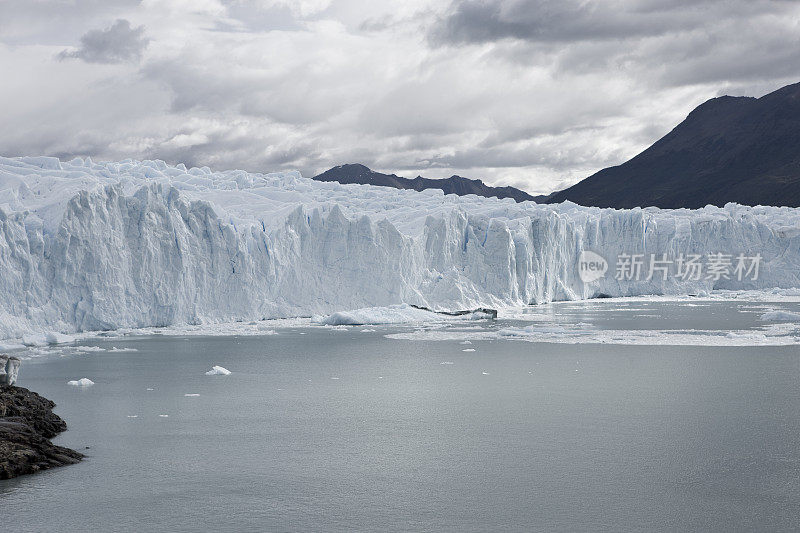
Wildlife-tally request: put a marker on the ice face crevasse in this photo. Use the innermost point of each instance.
(88, 246)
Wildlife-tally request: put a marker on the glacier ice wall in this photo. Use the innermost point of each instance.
(91, 246)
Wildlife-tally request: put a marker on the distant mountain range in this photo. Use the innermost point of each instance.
(729, 149)
(355, 173)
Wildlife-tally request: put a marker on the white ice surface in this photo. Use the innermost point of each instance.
(774, 335)
(91, 246)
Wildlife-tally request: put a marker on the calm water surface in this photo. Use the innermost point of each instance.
(324, 430)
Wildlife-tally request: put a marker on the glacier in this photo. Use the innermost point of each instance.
(89, 246)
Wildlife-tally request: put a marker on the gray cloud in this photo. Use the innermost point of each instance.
(660, 43)
(569, 21)
(531, 93)
(116, 44)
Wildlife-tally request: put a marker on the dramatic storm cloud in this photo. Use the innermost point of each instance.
(532, 93)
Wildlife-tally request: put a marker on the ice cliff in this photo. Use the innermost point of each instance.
(89, 246)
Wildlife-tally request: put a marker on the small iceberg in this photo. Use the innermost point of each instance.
(83, 382)
(218, 371)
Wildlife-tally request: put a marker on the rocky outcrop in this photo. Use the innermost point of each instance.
(27, 422)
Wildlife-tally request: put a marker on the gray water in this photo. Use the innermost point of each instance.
(514, 436)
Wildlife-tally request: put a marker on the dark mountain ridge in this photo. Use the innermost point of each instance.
(729, 149)
(360, 174)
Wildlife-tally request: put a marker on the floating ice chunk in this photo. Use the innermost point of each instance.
(468, 350)
(4, 347)
(446, 363)
(58, 338)
(115, 349)
(485, 373)
(133, 416)
(163, 416)
(749, 338)
(465, 342)
(393, 314)
(334, 377)
(90, 349)
(149, 388)
(218, 371)
(83, 382)
(780, 316)
(34, 340)
(191, 395)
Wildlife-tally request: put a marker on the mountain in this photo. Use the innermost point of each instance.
(355, 173)
(729, 149)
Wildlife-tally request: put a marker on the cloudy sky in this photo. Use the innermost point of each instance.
(531, 93)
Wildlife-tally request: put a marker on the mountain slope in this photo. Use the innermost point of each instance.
(355, 173)
(729, 149)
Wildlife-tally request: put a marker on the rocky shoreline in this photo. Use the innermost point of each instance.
(27, 423)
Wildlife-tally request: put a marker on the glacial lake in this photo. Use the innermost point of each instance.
(686, 417)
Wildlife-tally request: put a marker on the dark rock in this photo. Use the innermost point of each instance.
(27, 422)
(483, 310)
